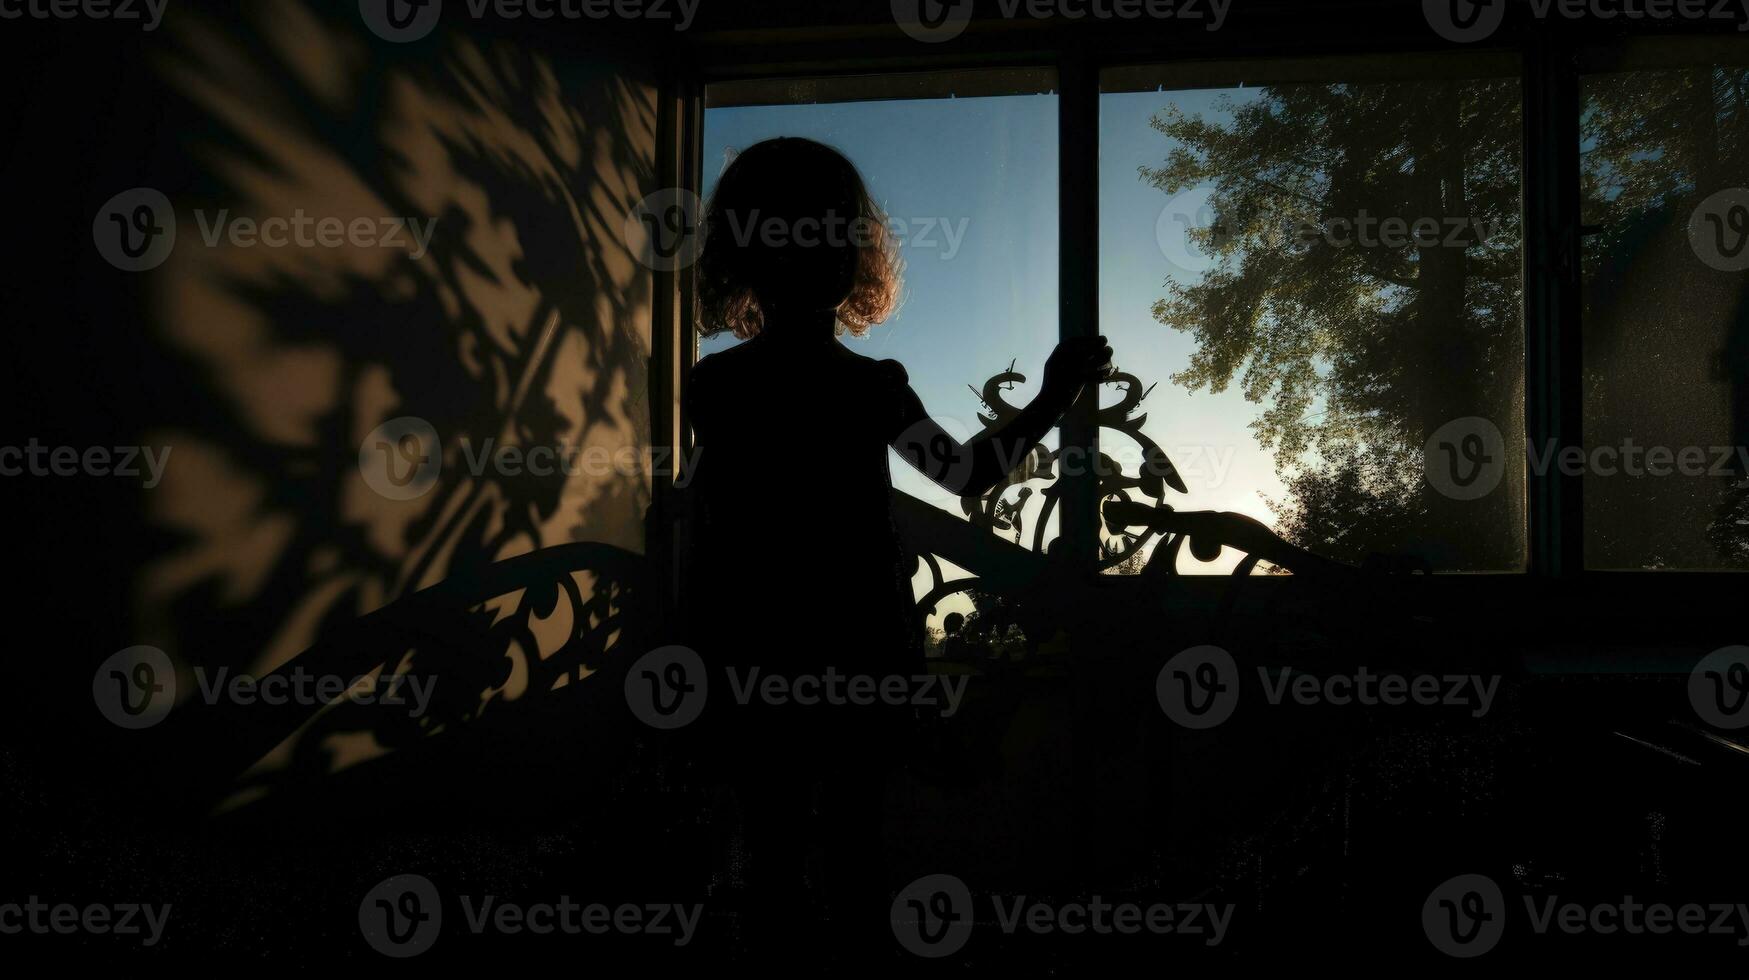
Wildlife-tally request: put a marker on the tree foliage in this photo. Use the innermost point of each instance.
(1357, 352)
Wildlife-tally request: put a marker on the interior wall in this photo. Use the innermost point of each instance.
(258, 372)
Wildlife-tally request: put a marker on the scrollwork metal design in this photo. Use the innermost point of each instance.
(1022, 506)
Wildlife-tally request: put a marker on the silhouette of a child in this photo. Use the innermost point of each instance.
(798, 566)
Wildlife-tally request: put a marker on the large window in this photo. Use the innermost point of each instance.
(1315, 266)
(1315, 274)
(1664, 161)
(965, 166)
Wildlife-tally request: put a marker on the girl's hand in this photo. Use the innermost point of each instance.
(1074, 365)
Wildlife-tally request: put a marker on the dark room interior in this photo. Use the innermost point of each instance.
(904, 487)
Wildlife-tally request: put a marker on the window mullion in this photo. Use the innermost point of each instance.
(1078, 289)
(1553, 382)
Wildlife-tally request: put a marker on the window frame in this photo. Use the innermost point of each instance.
(1550, 62)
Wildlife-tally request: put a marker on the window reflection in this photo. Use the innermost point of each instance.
(1317, 267)
(1665, 161)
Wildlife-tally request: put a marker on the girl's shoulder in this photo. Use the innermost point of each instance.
(747, 363)
(722, 360)
(883, 372)
(887, 387)
(892, 372)
(721, 368)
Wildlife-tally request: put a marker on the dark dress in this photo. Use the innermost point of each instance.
(797, 566)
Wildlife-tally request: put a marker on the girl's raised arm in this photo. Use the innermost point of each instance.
(973, 468)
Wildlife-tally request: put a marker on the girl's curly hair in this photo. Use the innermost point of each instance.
(799, 184)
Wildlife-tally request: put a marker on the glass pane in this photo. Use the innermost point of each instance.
(1312, 271)
(1665, 159)
(969, 181)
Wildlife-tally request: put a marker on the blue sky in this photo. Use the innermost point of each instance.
(974, 182)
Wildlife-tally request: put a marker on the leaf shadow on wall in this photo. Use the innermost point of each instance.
(524, 324)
